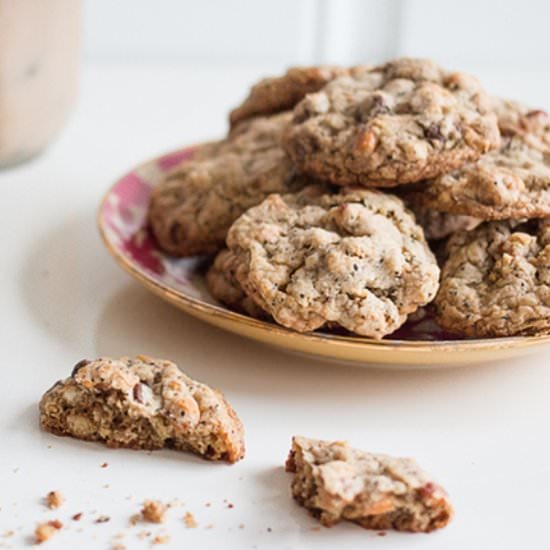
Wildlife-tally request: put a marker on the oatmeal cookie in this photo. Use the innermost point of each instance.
(439, 225)
(142, 403)
(276, 94)
(356, 258)
(512, 182)
(496, 280)
(336, 482)
(193, 207)
(222, 283)
(401, 122)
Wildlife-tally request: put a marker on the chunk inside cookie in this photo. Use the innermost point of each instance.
(142, 403)
(336, 482)
(511, 182)
(194, 206)
(496, 280)
(281, 93)
(356, 258)
(400, 122)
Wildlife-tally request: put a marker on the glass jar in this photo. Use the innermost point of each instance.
(39, 60)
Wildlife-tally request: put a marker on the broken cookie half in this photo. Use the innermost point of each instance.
(336, 482)
(142, 403)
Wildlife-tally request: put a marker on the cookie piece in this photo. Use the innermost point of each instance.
(397, 123)
(440, 225)
(512, 182)
(281, 93)
(193, 207)
(142, 403)
(496, 280)
(336, 482)
(356, 258)
(222, 283)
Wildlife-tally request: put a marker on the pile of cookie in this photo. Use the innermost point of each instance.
(353, 197)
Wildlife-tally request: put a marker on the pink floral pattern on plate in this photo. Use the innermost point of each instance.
(124, 220)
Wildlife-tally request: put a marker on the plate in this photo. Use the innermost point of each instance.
(122, 221)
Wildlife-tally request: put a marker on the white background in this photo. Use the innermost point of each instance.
(509, 33)
(162, 73)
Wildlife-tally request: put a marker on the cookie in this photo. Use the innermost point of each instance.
(276, 94)
(222, 283)
(512, 182)
(193, 207)
(440, 225)
(142, 403)
(496, 280)
(356, 258)
(401, 122)
(335, 482)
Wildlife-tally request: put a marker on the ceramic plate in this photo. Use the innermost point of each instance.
(122, 223)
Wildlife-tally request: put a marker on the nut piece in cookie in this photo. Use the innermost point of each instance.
(512, 182)
(495, 280)
(193, 207)
(281, 93)
(397, 123)
(336, 482)
(223, 284)
(142, 403)
(356, 258)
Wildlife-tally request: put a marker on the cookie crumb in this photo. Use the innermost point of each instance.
(190, 521)
(241, 525)
(231, 505)
(8, 534)
(105, 465)
(161, 539)
(102, 519)
(144, 534)
(153, 511)
(45, 531)
(381, 533)
(134, 519)
(118, 546)
(77, 517)
(54, 499)
(208, 504)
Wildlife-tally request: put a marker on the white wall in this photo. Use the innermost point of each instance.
(460, 33)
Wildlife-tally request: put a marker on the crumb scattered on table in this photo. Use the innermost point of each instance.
(135, 519)
(45, 531)
(161, 539)
(54, 499)
(190, 521)
(105, 465)
(153, 511)
(102, 519)
(77, 517)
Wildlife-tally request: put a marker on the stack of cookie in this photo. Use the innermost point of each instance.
(325, 200)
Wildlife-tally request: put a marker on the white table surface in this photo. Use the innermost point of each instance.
(482, 430)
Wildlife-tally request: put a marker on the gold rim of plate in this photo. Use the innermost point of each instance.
(342, 349)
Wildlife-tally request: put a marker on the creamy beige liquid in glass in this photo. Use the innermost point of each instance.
(39, 60)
